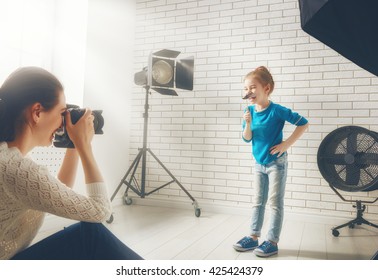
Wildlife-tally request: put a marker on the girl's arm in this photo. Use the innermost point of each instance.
(285, 145)
(247, 132)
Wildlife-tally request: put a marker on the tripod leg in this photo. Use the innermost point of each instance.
(170, 174)
(134, 164)
(127, 201)
(197, 209)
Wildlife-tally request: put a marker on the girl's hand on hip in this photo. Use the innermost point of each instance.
(279, 149)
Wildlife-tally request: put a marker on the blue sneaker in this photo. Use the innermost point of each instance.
(246, 244)
(266, 249)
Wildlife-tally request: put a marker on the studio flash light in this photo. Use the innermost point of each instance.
(165, 72)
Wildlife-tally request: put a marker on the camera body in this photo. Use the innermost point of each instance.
(61, 138)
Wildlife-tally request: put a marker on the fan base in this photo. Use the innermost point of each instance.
(359, 220)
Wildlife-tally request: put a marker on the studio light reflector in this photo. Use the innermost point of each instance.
(162, 73)
(165, 73)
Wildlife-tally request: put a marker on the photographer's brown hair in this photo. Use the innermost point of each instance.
(24, 87)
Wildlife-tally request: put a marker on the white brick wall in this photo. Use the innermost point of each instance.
(197, 134)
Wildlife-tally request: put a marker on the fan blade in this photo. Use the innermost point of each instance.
(352, 143)
(353, 173)
(336, 159)
(368, 158)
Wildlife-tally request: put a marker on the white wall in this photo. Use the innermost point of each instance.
(26, 34)
(69, 51)
(93, 57)
(88, 45)
(108, 81)
(197, 134)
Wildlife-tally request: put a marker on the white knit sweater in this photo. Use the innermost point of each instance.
(28, 190)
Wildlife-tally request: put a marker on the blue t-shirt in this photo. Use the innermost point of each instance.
(267, 127)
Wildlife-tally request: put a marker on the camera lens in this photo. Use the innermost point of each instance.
(98, 121)
(61, 138)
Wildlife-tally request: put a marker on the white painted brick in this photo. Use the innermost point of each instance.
(242, 198)
(198, 133)
(184, 5)
(217, 196)
(215, 168)
(365, 105)
(364, 121)
(320, 205)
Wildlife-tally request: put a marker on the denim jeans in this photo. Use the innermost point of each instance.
(269, 179)
(80, 241)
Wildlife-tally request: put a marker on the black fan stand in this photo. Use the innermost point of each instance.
(342, 155)
(375, 257)
(359, 220)
(132, 182)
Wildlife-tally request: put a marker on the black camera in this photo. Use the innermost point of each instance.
(61, 138)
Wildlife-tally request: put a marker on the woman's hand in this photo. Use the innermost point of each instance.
(81, 133)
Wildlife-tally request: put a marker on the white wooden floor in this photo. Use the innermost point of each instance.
(158, 233)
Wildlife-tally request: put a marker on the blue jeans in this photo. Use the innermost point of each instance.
(80, 241)
(269, 179)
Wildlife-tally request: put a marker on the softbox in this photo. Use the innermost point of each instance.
(349, 27)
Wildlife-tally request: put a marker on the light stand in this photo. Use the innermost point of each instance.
(132, 182)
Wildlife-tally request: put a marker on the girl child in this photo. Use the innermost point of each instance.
(263, 122)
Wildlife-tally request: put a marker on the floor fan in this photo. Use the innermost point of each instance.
(348, 160)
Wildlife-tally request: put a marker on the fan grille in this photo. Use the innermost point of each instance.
(348, 159)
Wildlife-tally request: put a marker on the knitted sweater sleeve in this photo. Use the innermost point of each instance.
(32, 186)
